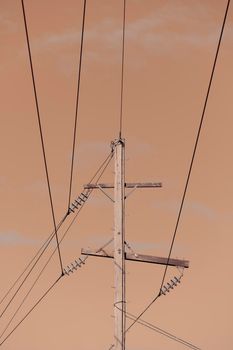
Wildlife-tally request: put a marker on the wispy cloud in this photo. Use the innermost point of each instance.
(191, 207)
(15, 238)
(175, 23)
(7, 24)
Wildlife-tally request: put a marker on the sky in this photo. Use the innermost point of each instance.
(169, 52)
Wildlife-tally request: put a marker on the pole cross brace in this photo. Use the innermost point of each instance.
(127, 185)
(140, 258)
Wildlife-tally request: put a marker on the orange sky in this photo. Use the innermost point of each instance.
(170, 46)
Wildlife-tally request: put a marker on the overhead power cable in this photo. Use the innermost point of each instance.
(41, 132)
(122, 69)
(45, 245)
(31, 261)
(190, 166)
(162, 332)
(34, 306)
(100, 171)
(77, 103)
(197, 140)
(38, 255)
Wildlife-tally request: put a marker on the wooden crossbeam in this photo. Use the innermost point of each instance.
(139, 257)
(127, 185)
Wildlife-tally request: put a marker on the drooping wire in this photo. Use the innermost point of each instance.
(77, 103)
(33, 307)
(26, 296)
(122, 69)
(41, 131)
(33, 258)
(197, 140)
(101, 169)
(38, 255)
(162, 332)
(45, 245)
(190, 167)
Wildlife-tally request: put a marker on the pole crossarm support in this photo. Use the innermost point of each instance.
(140, 258)
(127, 185)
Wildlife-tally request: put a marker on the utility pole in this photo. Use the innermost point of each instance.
(119, 244)
(119, 255)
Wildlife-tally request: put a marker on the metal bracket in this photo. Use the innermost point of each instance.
(105, 193)
(130, 192)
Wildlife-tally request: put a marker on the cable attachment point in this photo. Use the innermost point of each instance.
(74, 266)
(131, 249)
(79, 201)
(170, 285)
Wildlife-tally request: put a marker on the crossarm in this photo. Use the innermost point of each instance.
(127, 185)
(140, 258)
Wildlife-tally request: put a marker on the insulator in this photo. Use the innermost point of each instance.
(170, 285)
(81, 261)
(178, 279)
(78, 201)
(69, 269)
(174, 283)
(77, 264)
(83, 196)
(164, 290)
(75, 205)
(73, 267)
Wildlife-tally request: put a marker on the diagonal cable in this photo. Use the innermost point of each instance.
(45, 245)
(191, 164)
(36, 260)
(77, 103)
(100, 170)
(162, 332)
(197, 140)
(41, 132)
(34, 306)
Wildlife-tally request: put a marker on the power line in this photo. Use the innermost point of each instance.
(191, 165)
(27, 294)
(34, 306)
(101, 169)
(122, 69)
(41, 132)
(31, 261)
(197, 140)
(77, 103)
(162, 332)
(45, 245)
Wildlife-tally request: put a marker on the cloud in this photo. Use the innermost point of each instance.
(15, 238)
(174, 23)
(7, 24)
(190, 207)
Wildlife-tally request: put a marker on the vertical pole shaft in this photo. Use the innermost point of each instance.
(119, 245)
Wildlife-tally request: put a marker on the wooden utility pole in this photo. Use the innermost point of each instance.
(119, 244)
(119, 255)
